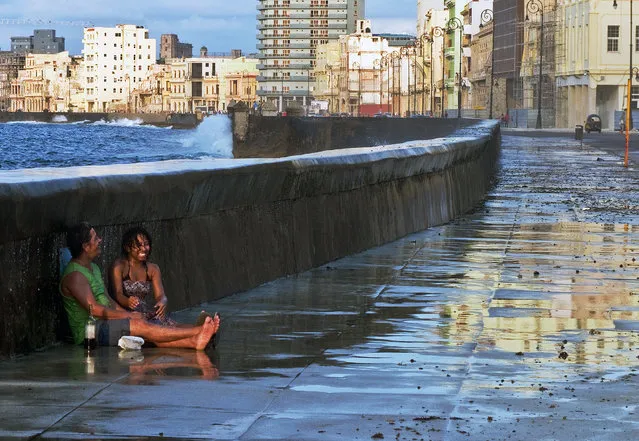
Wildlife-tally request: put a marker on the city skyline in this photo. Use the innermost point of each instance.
(220, 27)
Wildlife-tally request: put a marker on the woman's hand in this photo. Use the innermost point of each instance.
(160, 307)
(133, 302)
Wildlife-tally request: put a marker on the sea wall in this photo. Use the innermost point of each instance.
(221, 227)
(273, 137)
(176, 120)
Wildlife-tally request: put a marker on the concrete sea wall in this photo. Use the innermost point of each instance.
(224, 226)
(267, 137)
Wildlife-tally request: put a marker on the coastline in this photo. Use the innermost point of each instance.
(164, 119)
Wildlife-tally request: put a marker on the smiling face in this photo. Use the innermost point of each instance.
(140, 248)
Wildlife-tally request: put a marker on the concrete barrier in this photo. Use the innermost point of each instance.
(224, 226)
(257, 136)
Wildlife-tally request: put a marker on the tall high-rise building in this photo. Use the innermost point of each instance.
(288, 37)
(43, 41)
(116, 60)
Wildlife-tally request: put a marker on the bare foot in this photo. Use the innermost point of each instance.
(208, 329)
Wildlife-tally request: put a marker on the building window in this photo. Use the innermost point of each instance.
(636, 38)
(613, 38)
(634, 98)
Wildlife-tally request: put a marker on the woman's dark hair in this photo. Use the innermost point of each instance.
(130, 239)
(77, 236)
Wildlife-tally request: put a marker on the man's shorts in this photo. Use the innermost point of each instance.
(110, 331)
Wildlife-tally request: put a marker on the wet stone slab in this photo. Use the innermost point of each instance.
(519, 320)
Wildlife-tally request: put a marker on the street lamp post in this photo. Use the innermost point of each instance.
(357, 66)
(405, 53)
(329, 70)
(487, 18)
(536, 6)
(453, 25)
(397, 57)
(423, 39)
(383, 64)
(377, 66)
(418, 45)
(437, 32)
(389, 64)
(629, 98)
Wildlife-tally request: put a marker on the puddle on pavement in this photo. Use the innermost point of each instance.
(529, 279)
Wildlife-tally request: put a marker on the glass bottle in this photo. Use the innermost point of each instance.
(90, 342)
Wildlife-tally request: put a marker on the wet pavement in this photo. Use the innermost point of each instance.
(518, 321)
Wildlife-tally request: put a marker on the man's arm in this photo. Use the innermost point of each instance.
(77, 286)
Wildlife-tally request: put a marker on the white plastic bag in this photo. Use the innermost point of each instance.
(130, 342)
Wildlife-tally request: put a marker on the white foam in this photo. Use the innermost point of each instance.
(122, 122)
(26, 122)
(213, 136)
(59, 119)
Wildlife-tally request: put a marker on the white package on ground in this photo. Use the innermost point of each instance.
(131, 342)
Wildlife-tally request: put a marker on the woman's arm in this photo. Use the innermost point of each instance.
(118, 293)
(158, 290)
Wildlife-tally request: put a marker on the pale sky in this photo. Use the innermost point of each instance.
(221, 25)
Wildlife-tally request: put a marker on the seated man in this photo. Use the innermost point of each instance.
(83, 291)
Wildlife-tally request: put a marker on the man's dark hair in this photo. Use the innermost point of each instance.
(77, 236)
(130, 239)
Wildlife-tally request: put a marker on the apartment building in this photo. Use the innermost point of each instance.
(116, 60)
(288, 35)
(10, 65)
(46, 83)
(211, 84)
(593, 61)
(172, 47)
(43, 41)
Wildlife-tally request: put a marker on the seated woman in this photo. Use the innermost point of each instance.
(137, 283)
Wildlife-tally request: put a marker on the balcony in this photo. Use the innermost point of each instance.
(302, 78)
(300, 66)
(450, 52)
(268, 93)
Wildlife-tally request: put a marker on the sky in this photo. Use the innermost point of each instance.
(220, 25)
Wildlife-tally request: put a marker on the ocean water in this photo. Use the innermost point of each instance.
(61, 144)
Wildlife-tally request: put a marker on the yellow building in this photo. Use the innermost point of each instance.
(48, 83)
(593, 61)
(211, 84)
(149, 95)
(327, 74)
(350, 73)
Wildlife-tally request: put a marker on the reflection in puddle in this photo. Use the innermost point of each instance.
(532, 277)
(146, 365)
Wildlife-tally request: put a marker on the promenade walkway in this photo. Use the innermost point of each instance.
(518, 321)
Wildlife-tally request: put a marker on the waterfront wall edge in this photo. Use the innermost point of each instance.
(223, 230)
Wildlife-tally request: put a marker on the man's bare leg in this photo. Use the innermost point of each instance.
(195, 337)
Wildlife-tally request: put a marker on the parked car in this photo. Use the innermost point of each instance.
(593, 123)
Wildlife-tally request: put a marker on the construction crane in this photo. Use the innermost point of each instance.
(39, 22)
